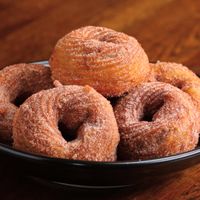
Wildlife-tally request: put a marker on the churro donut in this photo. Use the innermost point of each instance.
(179, 76)
(17, 82)
(156, 120)
(89, 129)
(109, 61)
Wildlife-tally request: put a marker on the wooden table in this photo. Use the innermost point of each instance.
(169, 30)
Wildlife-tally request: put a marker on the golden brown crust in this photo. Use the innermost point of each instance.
(79, 108)
(109, 61)
(15, 81)
(155, 120)
(179, 76)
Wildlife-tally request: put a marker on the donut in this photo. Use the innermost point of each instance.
(179, 76)
(70, 122)
(156, 120)
(111, 62)
(17, 82)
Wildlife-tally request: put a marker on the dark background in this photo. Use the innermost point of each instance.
(169, 30)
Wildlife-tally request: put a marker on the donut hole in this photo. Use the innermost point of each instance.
(19, 100)
(151, 110)
(148, 117)
(68, 134)
(71, 120)
(104, 38)
(180, 85)
(109, 38)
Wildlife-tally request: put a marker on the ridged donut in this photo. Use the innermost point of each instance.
(18, 82)
(179, 76)
(156, 120)
(87, 117)
(109, 61)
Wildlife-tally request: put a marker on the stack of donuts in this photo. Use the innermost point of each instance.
(100, 100)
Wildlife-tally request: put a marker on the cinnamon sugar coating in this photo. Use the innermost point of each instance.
(156, 120)
(179, 76)
(111, 62)
(82, 110)
(17, 82)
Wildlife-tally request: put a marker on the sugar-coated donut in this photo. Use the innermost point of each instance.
(17, 82)
(109, 61)
(87, 117)
(156, 120)
(179, 76)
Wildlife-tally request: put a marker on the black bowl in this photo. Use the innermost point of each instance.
(95, 175)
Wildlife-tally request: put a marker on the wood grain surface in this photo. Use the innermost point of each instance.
(169, 30)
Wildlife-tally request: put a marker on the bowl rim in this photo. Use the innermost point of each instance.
(39, 158)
